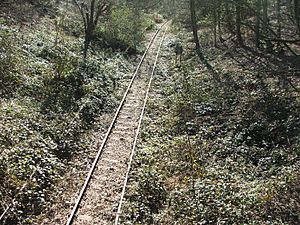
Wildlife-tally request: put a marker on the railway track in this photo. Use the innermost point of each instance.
(100, 199)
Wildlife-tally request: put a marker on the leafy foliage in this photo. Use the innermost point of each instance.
(123, 29)
(49, 99)
(9, 74)
(223, 154)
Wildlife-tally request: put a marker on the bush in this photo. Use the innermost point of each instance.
(122, 30)
(71, 24)
(81, 86)
(9, 77)
(26, 158)
(158, 18)
(98, 86)
(149, 196)
(148, 22)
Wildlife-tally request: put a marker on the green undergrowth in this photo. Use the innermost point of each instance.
(49, 97)
(124, 30)
(216, 153)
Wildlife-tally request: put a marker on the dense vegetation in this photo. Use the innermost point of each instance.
(221, 139)
(220, 143)
(50, 96)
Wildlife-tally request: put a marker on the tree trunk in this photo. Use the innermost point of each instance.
(90, 14)
(228, 17)
(289, 6)
(278, 15)
(197, 43)
(265, 17)
(87, 41)
(215, 22)
(257, 23)
(238, 24)
(195, 29)
(219, 20)
(297, 16)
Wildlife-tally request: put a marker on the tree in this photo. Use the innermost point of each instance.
(278, 15)
(195, 28)
(238, 23)
(265, 17)
(215, 20)
(197, 42)
(90, 11)
(257, 23)
(228, 16)
(219, 3)
(297, 15)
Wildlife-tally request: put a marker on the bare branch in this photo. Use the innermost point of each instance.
(76, 3)
(102, 7)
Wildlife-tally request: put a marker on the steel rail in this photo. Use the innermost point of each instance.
(118, 214)
(100, 151)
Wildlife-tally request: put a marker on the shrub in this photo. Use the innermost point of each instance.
(27, 160)
(97, 88)
(148, 23)
(71, 24)
(82, 86)
(9, 77)
(149, 197)
(122, 30)
(158, 18)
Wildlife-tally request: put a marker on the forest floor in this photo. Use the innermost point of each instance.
(219, 152)
(211, 151)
